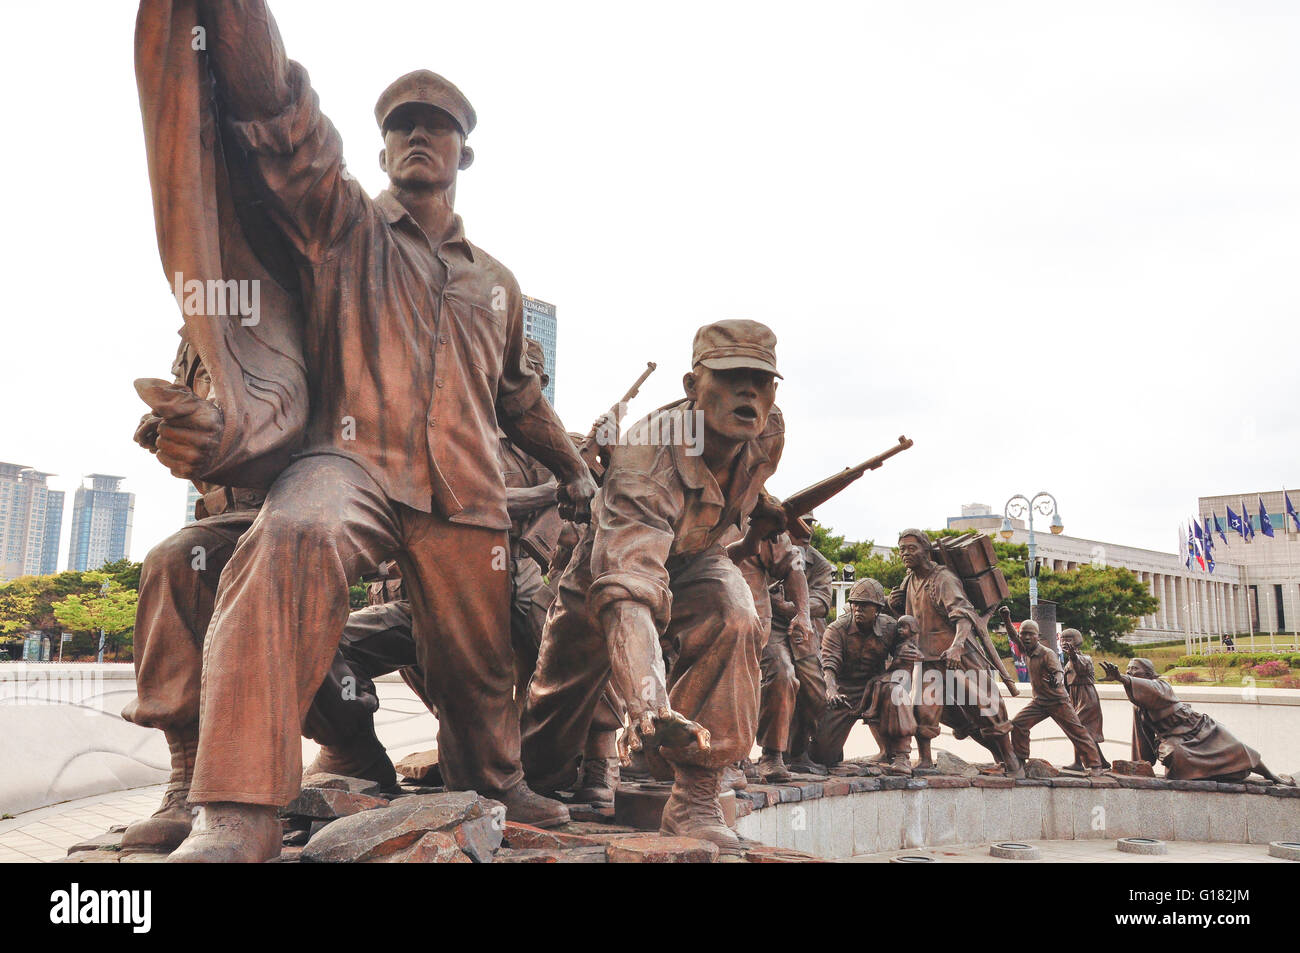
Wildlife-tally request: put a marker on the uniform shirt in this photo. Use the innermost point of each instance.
(412, 350)
(660, 507)
(1046, 676)
(519, 471)
(853, 655)
(821, 593)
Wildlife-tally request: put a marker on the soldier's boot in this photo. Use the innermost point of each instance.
(1007, 756)
(525, 806)
(693, 809)
(599, 781)
(749, 769)
(733, 778)
(771, 767)
(361, 756)
(923, 758)
(229, 833)
(636, 769)
(804, 764)
(168, 827)
(900, 764)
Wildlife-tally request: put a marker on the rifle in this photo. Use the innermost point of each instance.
(808, 499)
(590, 448)
(539, 535)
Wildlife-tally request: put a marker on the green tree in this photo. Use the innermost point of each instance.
(1102, 602)
(108, 605)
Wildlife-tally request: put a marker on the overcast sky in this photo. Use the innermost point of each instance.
(1055, 244)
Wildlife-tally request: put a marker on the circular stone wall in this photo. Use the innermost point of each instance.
(841, 817)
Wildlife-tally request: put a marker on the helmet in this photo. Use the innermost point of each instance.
(868, 590)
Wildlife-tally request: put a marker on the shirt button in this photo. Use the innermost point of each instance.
(442, 340)
(432, 421)
(438, 382)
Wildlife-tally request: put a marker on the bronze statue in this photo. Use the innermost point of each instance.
(788, 665)
(958, 679)
(1081, 683)
(178, 585)
(413, 347)
(868, 658)
(809, 705)
(651, 571)
(1050, 700)
(1191, 745)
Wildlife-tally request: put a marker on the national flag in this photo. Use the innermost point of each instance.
(1218, 528)
(1194, 550)
(1290, 511)
(1265, 525)
(1209, 561)
(1248, 522)
(1185, 543)
(1236, 522)
(1209, 536)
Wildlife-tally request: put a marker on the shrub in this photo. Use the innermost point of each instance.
(1287, 681)
(1184, 678)
(1271, 669)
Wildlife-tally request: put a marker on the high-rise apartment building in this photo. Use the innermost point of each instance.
(31, 518)
(101, 523)
(540, 325)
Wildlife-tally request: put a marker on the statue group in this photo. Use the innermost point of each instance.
(563, 604)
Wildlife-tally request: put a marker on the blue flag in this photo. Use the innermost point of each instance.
(1248, 521)
(1235, 522)
(1290, 511)
(1218, 528)
(1265, 525)
(1209, 536)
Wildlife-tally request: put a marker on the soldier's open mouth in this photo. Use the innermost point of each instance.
(747, 414)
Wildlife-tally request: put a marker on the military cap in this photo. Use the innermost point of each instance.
(868, 590)
(1029, 625)
(724, 345)
(423, 86)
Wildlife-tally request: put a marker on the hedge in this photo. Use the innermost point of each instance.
(1239, 659)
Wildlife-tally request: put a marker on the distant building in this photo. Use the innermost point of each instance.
(980, 516)
(540, 325)
(31, 518)
(101, 523)
(1255, 587)
(1270, 567)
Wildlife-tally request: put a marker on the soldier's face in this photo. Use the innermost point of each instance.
(735, 402)
(1069, 641)
(864, 614)
(1030, 640)
(423, 148)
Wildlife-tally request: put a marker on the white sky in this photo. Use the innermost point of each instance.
(1054, 244)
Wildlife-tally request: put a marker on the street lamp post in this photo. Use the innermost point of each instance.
(1020, 505)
